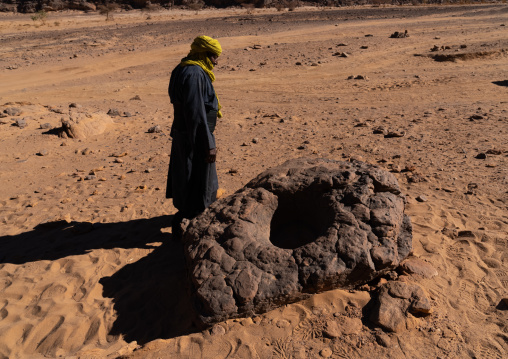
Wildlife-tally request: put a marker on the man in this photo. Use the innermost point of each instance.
(192, 178)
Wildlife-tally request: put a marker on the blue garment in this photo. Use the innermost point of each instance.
(192, 182)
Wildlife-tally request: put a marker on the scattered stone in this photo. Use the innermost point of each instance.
(392, 134)
(493, 152)
(13, 111)
(75, 105)
(113, 112)
(341, 44)
(396, 303)
(149, 170)
(472, 188)
(306, 226)
(127, 114)
(255, 140)
(326, 353)
(481, 156)
(332, 330)
(90, 177)
(364, 47)
(421, 198)
(463, 46)
(379, 130)
(86, 151)
(46, 126)
(369, 35)
(233, 171)
(155, 129)
(20, 122)
(383, 339)
(141, 188)
(399, 35)
(56, 110)
(360, 77)
(118, 160)
(42, 153)
(81, 125)
(136, 98)
(414, 265)
(217, 330)
(118, 155)
(435, 48)
(476, 117)
(298, 63)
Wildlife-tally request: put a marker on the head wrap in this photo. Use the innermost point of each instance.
(198, 55)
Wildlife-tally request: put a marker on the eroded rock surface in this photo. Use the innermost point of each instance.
(306, 226)
(81, 125)
(397, 302)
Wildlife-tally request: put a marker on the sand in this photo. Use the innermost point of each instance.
(88, 267)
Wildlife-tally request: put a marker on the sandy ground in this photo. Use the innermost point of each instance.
(88, 268)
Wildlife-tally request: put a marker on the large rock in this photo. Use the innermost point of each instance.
(306, 226)
(81, 125)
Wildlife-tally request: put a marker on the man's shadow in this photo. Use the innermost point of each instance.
(151, 296)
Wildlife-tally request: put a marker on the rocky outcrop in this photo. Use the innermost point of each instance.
(306, 226)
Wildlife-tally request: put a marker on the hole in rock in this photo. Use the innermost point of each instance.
(299, 220)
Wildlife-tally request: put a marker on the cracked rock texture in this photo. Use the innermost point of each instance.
(306, 226)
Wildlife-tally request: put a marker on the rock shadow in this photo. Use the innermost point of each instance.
(501, 83)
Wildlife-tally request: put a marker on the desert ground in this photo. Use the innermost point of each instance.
(88, 266)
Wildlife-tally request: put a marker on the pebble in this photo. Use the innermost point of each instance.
(217, 330)
(90, 177)
(298, 63)
(118, 160)
(136, 98)
(155, 129)
(421, 198)
(43, 153)
(21, 123)
(46, 126)
(481, 156)
(255, 140)
(75, 105)
(148, 170)
(86, 151)
(326, 353)
(113, 112)
(383, 340)
(13, 111)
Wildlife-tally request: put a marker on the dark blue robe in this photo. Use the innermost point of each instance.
(192, 183)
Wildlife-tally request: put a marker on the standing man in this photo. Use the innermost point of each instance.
(192, 178)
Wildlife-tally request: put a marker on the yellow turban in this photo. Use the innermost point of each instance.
(204, 44)
(198, 56)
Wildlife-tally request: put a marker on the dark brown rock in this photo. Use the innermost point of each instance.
(306, 226)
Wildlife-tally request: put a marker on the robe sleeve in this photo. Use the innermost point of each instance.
(195, 112)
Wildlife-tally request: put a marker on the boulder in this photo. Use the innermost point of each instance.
(304, 227)
(396, 303)
(81, 125)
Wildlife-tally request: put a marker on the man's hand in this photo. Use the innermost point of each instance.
(211, 155)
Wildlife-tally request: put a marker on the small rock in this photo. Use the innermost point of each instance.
(463, 46)
(476, 117)
(283, 323)
(74, 105)
(13, 111)
(255, 140)
(127, 114)
(364, 47)
(20, 122)
(369, 35)
(155, 129)
(46, 126)
(392, 134)
(481, 156)
(341, 44)
(42, 153)
(118, 160)
(56, 110)
(344, 54)
(360, 77)
(136, 98)
(90, 177)
(421, 198)
(332, 329)
(141, 188)
(217, 330)
(418, 266)
(113, 112)
(86, 151)
(233, 171)
(148, 170)
(298, 63)
(383, 340)
(326, 353)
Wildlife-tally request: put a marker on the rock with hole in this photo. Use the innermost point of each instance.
(306, 226)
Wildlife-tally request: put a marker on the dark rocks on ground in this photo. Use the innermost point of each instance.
(399, 35)
(421, 198)
(46, 126)
(306, 226)
(481, 156)
(42, 153)
(396, 303)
